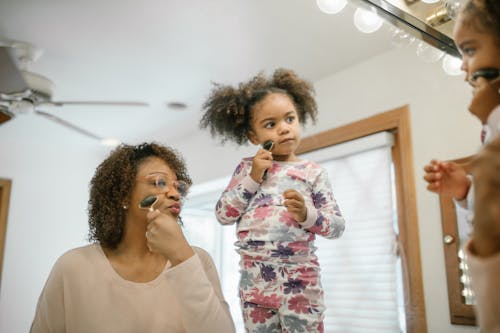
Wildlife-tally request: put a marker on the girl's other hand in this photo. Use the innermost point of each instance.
(262, 161)
(295, 205)
(486, 97)
(447, 178)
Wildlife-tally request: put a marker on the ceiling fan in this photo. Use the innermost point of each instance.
(24, 92)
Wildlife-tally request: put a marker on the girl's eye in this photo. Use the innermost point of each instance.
(468, 51)
(269, 125)
(290, 119)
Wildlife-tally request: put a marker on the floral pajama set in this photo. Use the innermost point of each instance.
(280, 288)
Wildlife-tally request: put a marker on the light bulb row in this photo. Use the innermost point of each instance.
(365, 20)
(368, 21)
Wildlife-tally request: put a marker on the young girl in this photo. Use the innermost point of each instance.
(278, 201)
(477, 36)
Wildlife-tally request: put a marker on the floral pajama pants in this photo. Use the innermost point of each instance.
(278, 297)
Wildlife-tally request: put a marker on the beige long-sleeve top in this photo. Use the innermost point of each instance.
(485, 281)
(84, 294)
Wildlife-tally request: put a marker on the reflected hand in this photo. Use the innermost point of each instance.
(447, 178)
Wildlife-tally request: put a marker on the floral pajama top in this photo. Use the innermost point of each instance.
(278, 258)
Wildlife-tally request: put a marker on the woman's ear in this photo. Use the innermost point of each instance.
(252, 137)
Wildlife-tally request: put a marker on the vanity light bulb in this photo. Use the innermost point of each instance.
(452, 7)
(367, 21)
(428, 53)
(451, 65)
(430, 1)
(401, 38)
(331, 6)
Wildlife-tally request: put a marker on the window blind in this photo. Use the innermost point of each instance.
(360, 271)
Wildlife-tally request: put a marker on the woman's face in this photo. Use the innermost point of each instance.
(479, 48)
(155, 177)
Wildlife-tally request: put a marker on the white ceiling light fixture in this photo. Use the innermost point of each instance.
(178, 106)
(331, 6)
(110, 142)
(428, 53)
(451, 65)
(430, 1)
(367, 21)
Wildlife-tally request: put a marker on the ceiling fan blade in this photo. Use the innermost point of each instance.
(69, 125)
(96, 103)
(11, 79)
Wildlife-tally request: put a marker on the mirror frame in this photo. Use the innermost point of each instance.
(460, 313)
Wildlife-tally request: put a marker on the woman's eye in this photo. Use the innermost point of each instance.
(161, 183)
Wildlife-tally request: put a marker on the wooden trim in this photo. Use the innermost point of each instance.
(396, 121)
(4, 117)
(460, 313)
(5, 185)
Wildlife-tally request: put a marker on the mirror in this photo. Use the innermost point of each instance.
(432, 23)
(456, 231)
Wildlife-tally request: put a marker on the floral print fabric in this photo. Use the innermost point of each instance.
(279, 267)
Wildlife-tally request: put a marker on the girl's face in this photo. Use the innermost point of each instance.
(479, 49)
(275, 118)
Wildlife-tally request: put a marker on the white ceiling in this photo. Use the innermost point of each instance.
(158, 51)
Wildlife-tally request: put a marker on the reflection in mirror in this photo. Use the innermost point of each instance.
(464, 229)
(456, 231)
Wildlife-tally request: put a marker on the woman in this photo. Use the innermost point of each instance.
(140, 274)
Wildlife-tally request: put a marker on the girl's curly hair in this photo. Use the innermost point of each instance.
(113, 183)
(228, 110)
(483, 15)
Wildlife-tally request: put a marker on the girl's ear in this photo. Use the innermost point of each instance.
(252, 137)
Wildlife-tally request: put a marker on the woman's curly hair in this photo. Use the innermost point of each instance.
(483, 15)
(228, 110)
(113, 183)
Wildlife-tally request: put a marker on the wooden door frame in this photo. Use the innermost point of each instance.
(396, 121)
(5, 186)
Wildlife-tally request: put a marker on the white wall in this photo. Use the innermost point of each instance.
(47, 213)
